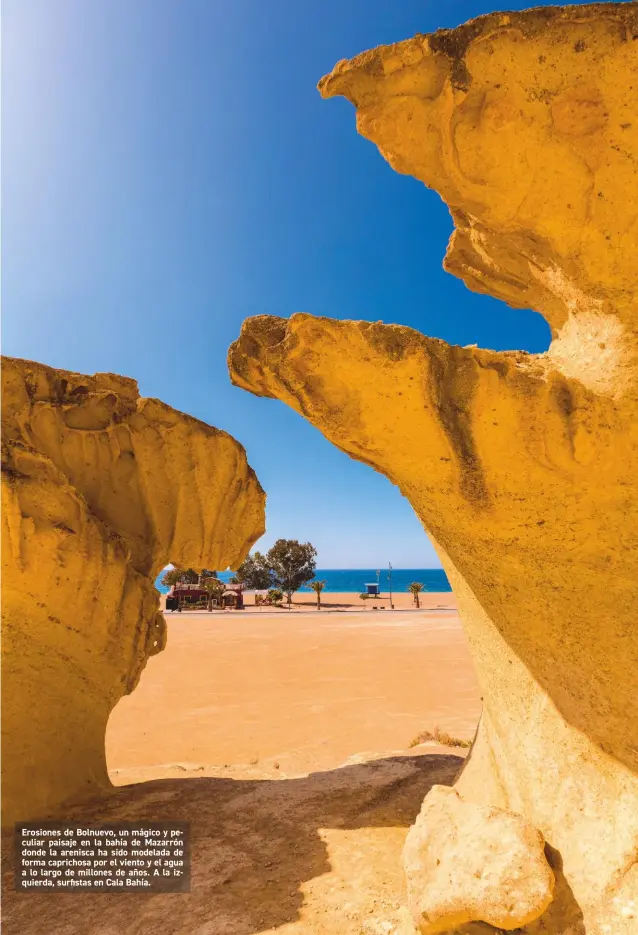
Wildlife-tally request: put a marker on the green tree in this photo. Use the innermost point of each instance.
(172, 576)
(317, 587)
(292, 563)
(254, 573)
(416, 587)
(275, 596)
(185, 576)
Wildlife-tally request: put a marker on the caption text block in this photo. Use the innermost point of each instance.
(71, 857)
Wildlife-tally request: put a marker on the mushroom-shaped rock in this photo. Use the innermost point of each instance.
(523, 468)
(525, 123)
(525, 481)
(101, 489)
(467, 863)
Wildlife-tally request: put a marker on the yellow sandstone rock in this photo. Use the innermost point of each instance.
(101, 489)
(525, 123)
(523, 468)
(465, 862)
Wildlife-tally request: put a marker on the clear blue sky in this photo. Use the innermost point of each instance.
(169, 169)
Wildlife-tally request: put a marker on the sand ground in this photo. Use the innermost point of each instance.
(242, 727)
(262, 695)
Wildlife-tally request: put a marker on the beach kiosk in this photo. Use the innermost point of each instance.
(195, 597)
(186, 596)
(373, 589)
(233, 597)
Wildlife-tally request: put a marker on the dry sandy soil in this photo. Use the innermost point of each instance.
(266, 695)
(242, 727)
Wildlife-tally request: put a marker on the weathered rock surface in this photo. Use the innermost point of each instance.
(467, 863)
(525, 123)
(523, 468)
(101, 489)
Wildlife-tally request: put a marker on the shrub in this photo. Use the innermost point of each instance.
(440, 737)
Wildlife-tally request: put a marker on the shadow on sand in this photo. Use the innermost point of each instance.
(254, 843)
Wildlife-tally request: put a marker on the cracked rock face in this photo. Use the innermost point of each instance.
(521, 467)
(101, 489)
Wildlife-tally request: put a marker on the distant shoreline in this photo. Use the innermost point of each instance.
(353, 581)
(349, 601)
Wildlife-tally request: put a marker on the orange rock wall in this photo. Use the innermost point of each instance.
(523, 468)
(101, 489)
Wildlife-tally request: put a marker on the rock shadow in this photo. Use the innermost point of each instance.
(254, 843)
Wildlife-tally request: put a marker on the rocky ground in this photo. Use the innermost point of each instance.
(316, 855)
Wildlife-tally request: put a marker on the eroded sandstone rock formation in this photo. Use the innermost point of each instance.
(465, 862)
(101, 489)
(523, 468)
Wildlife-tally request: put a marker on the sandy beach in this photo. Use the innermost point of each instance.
(266, 694)
(284, 739)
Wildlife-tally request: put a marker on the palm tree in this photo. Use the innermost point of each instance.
(214, 588)
(317, 587)
(416, 587)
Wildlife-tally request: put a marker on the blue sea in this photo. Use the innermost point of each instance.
(353, 580)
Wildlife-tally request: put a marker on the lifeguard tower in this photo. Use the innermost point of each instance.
(374, 588)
